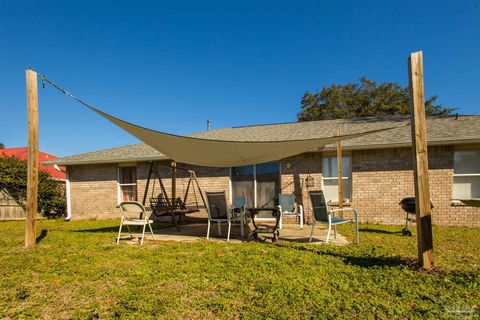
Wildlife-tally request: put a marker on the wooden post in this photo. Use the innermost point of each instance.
(339, 172)
(420, 161)
(32, 161)
(174, 194)
(194, 175)
(174, 181)
(145, 193)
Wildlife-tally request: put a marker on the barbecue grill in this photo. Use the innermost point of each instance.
(408, 205)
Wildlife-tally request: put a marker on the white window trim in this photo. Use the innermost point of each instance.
(336, 178)
(466, 174)
(120, 185)
(230, 188)
(255, 185)
(68, 196)
(455, 200)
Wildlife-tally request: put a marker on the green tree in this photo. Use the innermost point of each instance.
(2, 146)
(13, 180)
(363, 99)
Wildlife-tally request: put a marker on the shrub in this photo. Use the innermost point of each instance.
(13, 180)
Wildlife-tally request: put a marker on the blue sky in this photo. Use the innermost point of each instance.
(170, 66)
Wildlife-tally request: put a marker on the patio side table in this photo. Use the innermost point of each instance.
(273, 213)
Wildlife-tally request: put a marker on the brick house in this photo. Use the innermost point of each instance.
(377, 171)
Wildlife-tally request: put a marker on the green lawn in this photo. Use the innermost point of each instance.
(77, 271)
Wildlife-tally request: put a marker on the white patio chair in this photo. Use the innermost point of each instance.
(218, 211)
(322, 213)
(133, 208)
(288, 207)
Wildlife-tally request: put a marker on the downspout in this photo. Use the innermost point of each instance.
(67, 194)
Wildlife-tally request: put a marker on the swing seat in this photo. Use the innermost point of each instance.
(166, 206)
(161, 207)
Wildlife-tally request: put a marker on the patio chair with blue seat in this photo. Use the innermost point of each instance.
(218, 211)
(239, 203)
(288, 207)
(131, 209)
(322, 213)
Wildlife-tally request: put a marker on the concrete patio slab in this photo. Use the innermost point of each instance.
(198, 231)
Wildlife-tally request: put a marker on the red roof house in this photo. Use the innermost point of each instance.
(22, 154)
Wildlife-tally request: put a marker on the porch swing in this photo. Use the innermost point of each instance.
(176, 207)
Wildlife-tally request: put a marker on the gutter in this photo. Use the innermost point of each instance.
(67, 195)
(62, 162)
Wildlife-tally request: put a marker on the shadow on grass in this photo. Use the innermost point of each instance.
(99, 230)
(42, 236)
(114, 229)
(360, 260)
(372, 261)
(380, 231)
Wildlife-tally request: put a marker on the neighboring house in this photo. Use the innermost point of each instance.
(22, 153)
(377, 171)
(9, 208)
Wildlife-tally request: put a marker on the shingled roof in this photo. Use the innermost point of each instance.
(441, 131)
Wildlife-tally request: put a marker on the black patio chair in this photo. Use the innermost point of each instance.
(322, 213)
(219, 211)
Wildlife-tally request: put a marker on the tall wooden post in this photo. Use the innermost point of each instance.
(339, 172)
(32, 162)
(174, 181)
(420, 161)
(174, 193)
(145, 193)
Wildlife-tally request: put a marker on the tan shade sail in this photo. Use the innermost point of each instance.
(221, 153)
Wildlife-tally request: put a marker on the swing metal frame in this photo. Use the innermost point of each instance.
(172, 206)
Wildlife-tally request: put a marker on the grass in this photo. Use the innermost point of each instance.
(76, 271)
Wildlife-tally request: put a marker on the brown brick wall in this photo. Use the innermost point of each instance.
(380, 179)
(295, 171)
(94, 188)
(210, 179)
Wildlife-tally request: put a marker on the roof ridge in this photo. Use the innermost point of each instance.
(380, 118)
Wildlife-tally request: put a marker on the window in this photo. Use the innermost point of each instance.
(466, 175)
(330, 178)
(260, 183)
(127, 183)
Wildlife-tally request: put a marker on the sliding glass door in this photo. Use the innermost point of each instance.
(268, 184)
(243, 183)
(260, 183)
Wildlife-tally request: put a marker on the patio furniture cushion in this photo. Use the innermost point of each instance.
(336, 220)
(287, 202)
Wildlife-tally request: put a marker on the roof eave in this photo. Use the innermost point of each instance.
(403, 144)
(62, 162)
